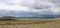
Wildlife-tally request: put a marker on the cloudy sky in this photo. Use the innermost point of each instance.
(30, 8)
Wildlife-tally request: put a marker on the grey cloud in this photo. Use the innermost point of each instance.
(56, 2)
(27, 3)
(23, 14)
(42, 7)
(37, 6)
(7, 2)
(45, 11)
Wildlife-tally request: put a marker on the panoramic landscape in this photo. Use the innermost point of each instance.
(29, 13)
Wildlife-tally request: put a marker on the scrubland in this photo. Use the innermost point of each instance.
(30, 23)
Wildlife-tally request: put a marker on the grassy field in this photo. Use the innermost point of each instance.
(30, 23)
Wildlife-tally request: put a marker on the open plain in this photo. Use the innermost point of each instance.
(31, 23)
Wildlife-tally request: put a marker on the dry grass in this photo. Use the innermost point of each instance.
(39, 23)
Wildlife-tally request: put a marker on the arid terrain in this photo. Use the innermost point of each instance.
(33, 23)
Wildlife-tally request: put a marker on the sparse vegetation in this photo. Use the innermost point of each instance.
(33, 23)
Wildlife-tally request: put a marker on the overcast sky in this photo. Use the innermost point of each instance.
(29, 8)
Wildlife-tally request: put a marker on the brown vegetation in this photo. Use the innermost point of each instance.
(53, 23)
